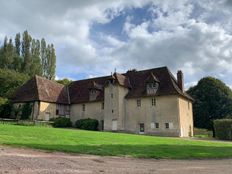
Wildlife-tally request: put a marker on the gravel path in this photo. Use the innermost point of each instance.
(18, 160)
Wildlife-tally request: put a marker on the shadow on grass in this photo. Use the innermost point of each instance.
(142, 151)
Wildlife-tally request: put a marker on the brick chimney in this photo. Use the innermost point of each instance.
(180, 80)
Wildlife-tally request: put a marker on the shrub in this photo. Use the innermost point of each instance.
(87, 124)
(223, 129)
(26, 111)
(5, 109)
(62, 122)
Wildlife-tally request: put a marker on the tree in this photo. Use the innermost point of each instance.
(7, 54)
(18, 43)
(35, 68)
(213, 100)
(64, 81)
(10, 80)
(43, 56)
(52, 63)
(26, 44)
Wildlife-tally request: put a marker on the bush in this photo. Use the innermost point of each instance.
(26, 111)
(62, 122)
(87, 124)
(5, 109)
(223, 129)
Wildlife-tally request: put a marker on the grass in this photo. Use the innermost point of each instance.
(111, 144)
(203, 133)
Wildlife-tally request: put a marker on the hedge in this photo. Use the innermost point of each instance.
(87, 124)
(223, 129)
(62, 122)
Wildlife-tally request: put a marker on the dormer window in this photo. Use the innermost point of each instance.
(152, 88)
(93, 91)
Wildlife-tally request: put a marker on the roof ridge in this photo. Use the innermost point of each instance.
(52, 81)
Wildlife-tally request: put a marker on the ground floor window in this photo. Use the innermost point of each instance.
(156, 125)
(169, 125)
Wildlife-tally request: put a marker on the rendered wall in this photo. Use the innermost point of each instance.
(114, 97)
(165, 111)
(92, 110)
(186, 117)
(47, 108)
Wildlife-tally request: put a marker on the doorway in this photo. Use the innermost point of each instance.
(141, 128)
(47, 116)
(114, 125)
(102, 125)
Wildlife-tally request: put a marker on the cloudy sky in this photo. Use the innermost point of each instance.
(93, 37)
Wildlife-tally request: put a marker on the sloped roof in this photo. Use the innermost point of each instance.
(167, 86)
(122, 80)
(79, 90)
(135, 81)
(41, 89)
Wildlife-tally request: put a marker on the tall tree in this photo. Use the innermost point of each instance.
(43, 56)
(18, 43)
(213, 100)
(47, 61)
(52, 63)
(35, 68)
(26, 44)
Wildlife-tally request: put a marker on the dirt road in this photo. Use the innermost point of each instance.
(17, 160)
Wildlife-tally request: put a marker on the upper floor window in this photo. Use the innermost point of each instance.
(102, 105)
(83, 107)
(138, 102)
(153, 101)
(112, 95)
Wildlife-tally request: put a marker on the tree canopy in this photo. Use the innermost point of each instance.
(9, 81)
(64, 81)
(213, 100)
(28, 55)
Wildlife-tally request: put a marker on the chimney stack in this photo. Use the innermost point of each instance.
(180, 80)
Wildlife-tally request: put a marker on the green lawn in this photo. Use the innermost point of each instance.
(105, 143)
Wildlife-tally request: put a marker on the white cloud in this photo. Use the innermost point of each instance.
(194, 36)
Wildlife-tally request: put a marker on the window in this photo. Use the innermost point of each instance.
(153, 101)
(112, 95)
(102, 106)
(112, 111)
(93, 91)
(83, 107)
(156, 125)
(138, 102)
(167, 125)
(57, 111)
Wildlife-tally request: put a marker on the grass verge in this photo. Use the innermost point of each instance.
(111, 144)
